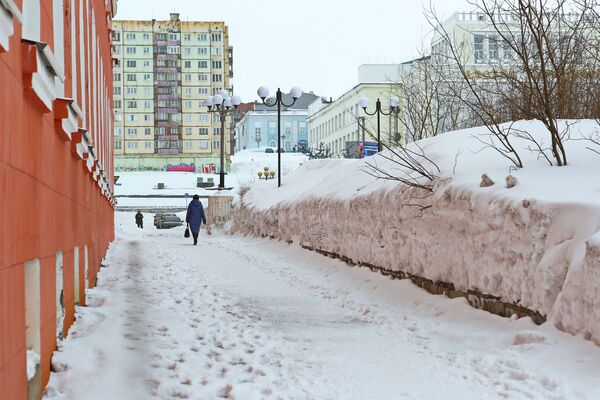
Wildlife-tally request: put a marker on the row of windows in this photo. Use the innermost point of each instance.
(335, 123)
(200, 37)
(287, 128)
(163, 103)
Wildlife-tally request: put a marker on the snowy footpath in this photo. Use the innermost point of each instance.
(244, 318)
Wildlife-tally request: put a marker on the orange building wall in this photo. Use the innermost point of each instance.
(49, 200)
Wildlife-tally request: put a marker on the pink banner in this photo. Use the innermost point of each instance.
(181, 168)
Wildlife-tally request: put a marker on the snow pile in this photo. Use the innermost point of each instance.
(530, 245)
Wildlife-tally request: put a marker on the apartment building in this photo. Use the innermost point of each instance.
(164, 70)
(56, 181)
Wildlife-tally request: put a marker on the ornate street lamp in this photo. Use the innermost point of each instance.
(222, 105)
(394, 108)
(263, 93)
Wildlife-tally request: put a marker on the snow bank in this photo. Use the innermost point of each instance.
(535, 245)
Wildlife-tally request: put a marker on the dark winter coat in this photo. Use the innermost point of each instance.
(195, 216)
(139, 217)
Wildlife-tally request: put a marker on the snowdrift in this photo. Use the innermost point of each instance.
(535, 246)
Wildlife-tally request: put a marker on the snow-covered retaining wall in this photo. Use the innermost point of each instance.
(523, 253)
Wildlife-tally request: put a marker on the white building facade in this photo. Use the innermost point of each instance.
(339, 124)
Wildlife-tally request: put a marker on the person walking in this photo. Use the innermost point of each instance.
(139, 220)
(195, 217)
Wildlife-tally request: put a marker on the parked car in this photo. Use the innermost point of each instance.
(167, 221)
(269, 150)
(281, 151)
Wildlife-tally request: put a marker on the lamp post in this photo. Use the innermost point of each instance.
(263, 93)
(222, 104)
(364, 103)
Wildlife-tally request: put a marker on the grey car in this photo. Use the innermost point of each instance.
(167, 221)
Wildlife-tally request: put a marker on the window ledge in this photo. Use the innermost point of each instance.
(8, 10)
(40, 70)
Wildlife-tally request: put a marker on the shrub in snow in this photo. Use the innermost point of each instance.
(511, 181)
(486, 181)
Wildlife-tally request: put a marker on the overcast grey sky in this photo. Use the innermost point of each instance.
(314, 44)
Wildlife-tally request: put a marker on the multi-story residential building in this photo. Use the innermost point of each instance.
(339, 123)
(56, 181)
(164, 70)
(258, 128)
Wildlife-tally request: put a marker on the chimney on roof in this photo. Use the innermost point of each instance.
(174, 17)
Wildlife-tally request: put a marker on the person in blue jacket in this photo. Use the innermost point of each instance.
(195, 217)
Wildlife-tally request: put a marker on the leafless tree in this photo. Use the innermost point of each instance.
(537, 66)
(427, 108)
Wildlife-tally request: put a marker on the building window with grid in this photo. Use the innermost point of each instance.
(147, 131)
(478, 49)
(132, 145)
(216, 37)
(202, 64)
(146, 50)
(117, 77)
(131, 104)
(203, 77)
(131, 50)
(130, 36)
(117, 104)
(146, 36)
(203, 144)
(217, 78)
(147, 145)
(188, 131)
(187, 64)
(131, 78)
(203, 131)
(187, 37)
(132, 131)
(217, 64)
(202, 37)
(202, 50)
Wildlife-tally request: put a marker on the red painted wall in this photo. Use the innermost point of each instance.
(49, 200)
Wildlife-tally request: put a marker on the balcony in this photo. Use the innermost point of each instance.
(167, 151)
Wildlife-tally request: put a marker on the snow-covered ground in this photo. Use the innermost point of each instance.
(245, 318)
(533, 245)
(244, 169)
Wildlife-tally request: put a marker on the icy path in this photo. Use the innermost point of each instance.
(250, 319)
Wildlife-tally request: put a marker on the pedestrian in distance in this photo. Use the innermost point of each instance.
(139, 220)
(195, 217)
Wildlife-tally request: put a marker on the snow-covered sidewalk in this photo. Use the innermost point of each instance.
(247, 318)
